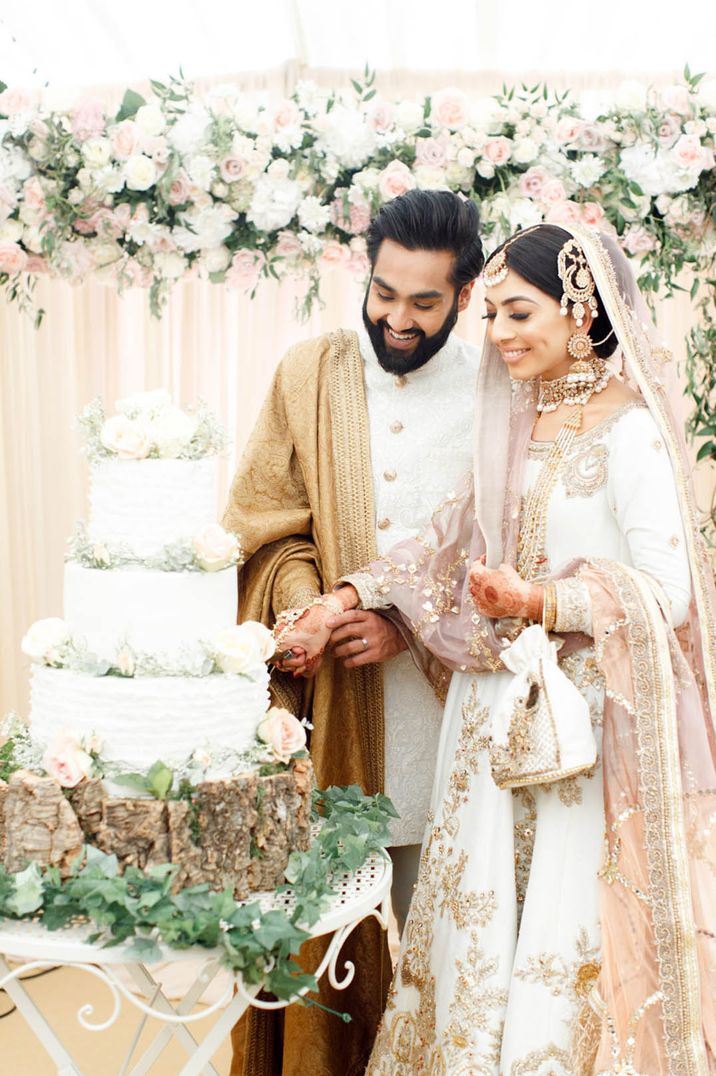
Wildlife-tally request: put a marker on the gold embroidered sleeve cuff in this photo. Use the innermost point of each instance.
(368, 590)
(573, 610)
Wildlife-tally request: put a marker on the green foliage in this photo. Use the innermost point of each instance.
(139, 907)
(131, 103)
(8, 765)
(157, 782)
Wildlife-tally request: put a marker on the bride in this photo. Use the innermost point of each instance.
(567, 926)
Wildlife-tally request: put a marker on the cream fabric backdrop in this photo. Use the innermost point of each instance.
(211, 343)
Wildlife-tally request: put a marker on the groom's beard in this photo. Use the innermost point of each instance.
(395, 361)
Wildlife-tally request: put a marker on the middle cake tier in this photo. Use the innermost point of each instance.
(152, 611)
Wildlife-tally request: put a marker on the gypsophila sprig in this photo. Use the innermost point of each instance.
(180, 556)
(139, 906)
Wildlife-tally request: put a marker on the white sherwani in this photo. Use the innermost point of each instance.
(421, 444)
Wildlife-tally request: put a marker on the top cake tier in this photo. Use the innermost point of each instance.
(148, 504)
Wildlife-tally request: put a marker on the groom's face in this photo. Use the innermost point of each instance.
(411, 305)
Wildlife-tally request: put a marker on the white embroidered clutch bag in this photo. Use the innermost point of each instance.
(541, 727)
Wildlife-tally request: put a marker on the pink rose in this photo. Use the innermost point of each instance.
(448, 108)
(380, 116)
(284, 733)
(669, 130)
(87, 119)
(567, 212)
(245, 269)
(232, 168)
(124, 139)
(395, 179)
(334, 254)
(689, 153)
(179, 189)
(358, 262)
(675, 99)
(66, 762)
(637, 240)
(359, 218)
(592, 213)
(286, 115)
(13, 258)
(532, 182)
(288, 245)
(592, 138)
(106, 224)
(430, 152)
(12, 101)
(33, 194)
(497, 150)
(552, 192)
(568, 129)
(35, 264)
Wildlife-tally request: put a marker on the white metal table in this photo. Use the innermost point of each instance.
(359, 896)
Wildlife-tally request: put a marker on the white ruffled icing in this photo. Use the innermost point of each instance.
(148, 718)
(151, 503)
(155, 612)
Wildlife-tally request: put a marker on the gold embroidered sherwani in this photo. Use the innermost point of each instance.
(301, 504)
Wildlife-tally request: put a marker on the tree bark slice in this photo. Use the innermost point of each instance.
(40, 824)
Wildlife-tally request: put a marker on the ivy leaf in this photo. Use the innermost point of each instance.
(145, 950)
(159, 780)
(28, 891)
(136, 781)
(131, 103)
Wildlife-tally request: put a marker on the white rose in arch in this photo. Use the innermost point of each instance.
(215, 548)
(171, 431)
(150, 120)
(125, 437)
(45, 640)
(140, 172)
(244, 649)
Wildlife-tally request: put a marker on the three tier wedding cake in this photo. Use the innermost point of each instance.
(150, 734)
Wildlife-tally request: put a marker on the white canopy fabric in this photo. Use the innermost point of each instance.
(90, 43)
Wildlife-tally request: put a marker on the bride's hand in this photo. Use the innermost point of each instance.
(301, 645)
(501, 592)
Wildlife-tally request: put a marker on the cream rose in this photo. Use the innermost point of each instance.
(215, 548)
(45, 640)
(65, 760)
(126, 437)
(171, 431)
(96, 152)
(244, 649)
(150, 120)
(140, 172)
(284, 733)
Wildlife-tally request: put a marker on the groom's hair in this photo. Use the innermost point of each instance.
(432, 220)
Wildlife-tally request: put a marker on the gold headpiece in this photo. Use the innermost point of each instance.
(577, 281)
(496, 269)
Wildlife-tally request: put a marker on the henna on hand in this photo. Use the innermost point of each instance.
(501, 592)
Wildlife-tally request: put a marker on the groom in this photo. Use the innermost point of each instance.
(361, 437)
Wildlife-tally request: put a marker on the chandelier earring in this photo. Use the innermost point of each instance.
(577, 283)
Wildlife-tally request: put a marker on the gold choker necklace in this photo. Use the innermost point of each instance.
(585, 377)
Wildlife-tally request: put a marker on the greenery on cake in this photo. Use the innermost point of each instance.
(210, 550)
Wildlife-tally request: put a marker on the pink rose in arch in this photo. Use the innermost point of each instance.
(567, 212)
(286, 114)
(179, 189)
(689, 153)
(380, 116)
(359, 219)
(87, 119)
(430, 152)
(14, 100)
(232, 169)
(288, 245)
(245, 269)
(637, 240)
(124, 139)
(553, 192)
(334, 254)
(497, 150)
(568, 129)
(35, 264)
(532, 182)
(395, 179)
(33, 194)
(592, 213)
(13, 258)
(669, 130)
(448, 108)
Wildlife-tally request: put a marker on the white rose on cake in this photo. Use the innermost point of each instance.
(171, 431)
(144, 402)
(244, 648)
(215, 548)
(283, 732)
(46, 640)
(125, 437)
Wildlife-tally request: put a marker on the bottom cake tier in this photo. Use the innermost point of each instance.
(142, 719)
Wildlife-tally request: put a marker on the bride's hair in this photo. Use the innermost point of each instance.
(534, 256)
(431, 220)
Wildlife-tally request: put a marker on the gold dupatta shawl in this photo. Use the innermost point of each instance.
(302, 505)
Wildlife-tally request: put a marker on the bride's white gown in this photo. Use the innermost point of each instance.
(503, 943)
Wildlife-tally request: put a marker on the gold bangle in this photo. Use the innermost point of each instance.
(549, 607)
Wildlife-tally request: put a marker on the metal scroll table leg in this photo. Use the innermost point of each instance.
(206, 1049)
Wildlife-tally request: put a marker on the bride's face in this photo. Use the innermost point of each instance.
(526, 326)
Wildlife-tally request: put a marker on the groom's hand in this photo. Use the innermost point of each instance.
(351, 631)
